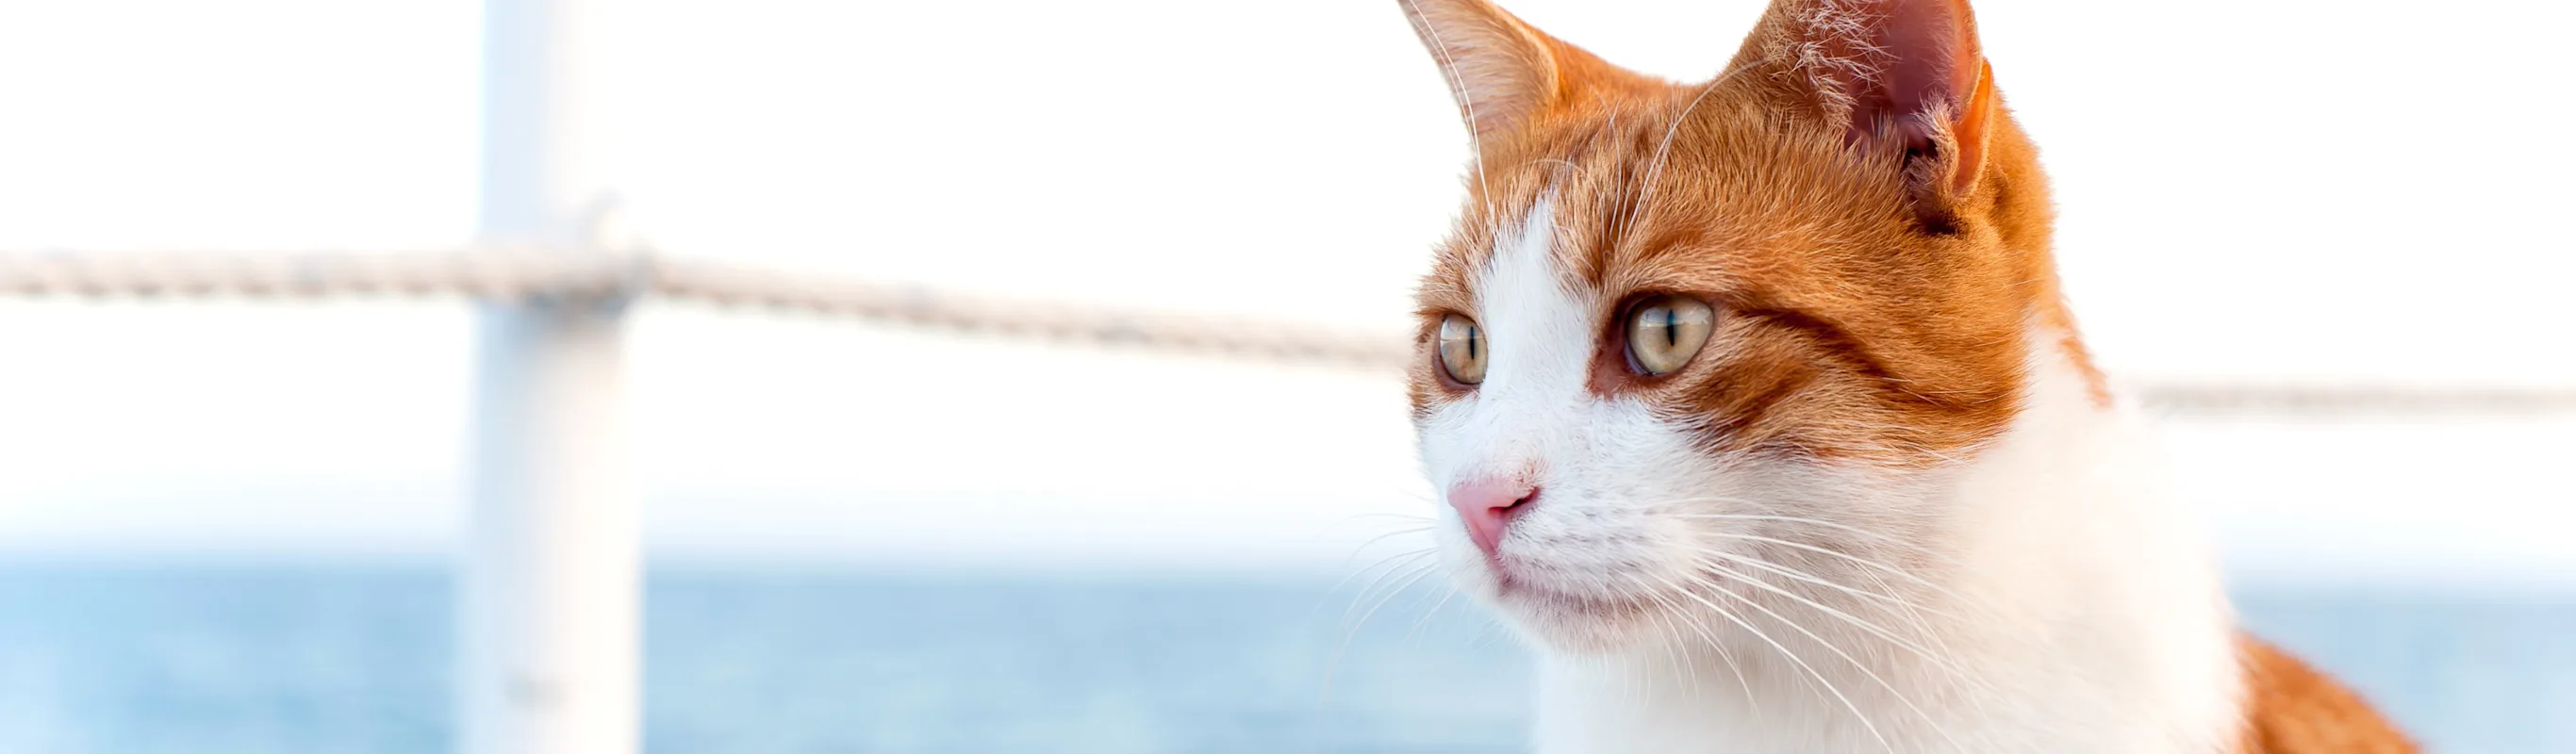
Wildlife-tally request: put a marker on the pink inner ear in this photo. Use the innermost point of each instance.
(1927, 55)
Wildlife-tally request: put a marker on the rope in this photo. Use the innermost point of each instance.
(524, 274)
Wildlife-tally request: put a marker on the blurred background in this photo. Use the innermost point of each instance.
(234, 525)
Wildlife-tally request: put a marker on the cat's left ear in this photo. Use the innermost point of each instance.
(1896, 75)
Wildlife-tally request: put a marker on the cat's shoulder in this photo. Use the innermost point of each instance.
(2291, 708)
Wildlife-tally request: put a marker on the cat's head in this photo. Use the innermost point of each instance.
(1687, 332)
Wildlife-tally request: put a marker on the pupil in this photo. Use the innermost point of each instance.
(1672, 334)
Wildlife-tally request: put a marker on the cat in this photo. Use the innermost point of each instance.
(1758, 410)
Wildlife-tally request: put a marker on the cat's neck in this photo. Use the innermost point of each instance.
(2074, 591)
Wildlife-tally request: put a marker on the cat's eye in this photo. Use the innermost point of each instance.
(1462, 349)
(1664, 332)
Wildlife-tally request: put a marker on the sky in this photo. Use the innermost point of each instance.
(2248, 191)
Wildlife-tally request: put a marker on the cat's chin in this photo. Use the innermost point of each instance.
(1572, 623)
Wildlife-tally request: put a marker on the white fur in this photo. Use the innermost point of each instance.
(2054, 601)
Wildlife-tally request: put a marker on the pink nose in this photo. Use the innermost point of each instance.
(1486, 506)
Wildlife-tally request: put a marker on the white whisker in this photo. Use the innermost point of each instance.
(1911, 612)
(1855, 559)
(1425, 620)
(1801, 520)
(1804, 577)
(1940, 660)
(1391, 563)
(1674, 611)
(1458, 87)
(1333, 663)
(1792, 657)
(1856, 621)
(1364, 545)
(1856, 664)
(1663, 149)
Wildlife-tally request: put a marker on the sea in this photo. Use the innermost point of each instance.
(137, 659)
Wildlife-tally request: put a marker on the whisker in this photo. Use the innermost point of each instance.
(1425, 620)
(1912, 613)
(1855, 663)
(1883, 567)
(1675, 609)
(1938, 659)
(1458, 87)
(1569, 164)
(1333, 663)
(1663, 149)
(1792, 657)
(1666, 630)
(1364, 545)
(1676, 649)
(1841, 527)
(1414, 574)
(1356, 517)
(1804, 577)
(1884, 593)
(1391, 563)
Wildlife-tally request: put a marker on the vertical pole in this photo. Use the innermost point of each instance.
(549, 654)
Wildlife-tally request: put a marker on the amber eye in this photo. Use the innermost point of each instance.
(1462, 349)
(1664, 332)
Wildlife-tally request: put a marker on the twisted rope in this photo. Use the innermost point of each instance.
(508, 273)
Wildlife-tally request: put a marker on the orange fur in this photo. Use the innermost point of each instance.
(2293, 709)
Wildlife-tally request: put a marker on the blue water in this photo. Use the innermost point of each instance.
(226, 660)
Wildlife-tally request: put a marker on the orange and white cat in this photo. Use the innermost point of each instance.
(1757, 407)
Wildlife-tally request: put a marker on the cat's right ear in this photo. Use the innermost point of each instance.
(1499, 69)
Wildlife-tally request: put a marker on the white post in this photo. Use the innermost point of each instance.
(549, 650)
